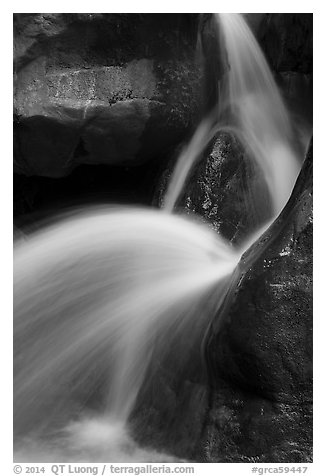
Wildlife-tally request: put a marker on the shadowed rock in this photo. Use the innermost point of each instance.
(254, 400)
(102, 88)
(226, 189)
(259, 349)
(287, 41)
(111, 99)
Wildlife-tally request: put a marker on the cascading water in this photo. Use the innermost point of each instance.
(251, 101)
(251, 107)
(94, 291)
(97, 289)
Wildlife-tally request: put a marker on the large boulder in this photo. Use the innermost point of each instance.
(259, 349)
(226, 191)
(248, 396)
(225, 188)
(119, 89)
(102, 88)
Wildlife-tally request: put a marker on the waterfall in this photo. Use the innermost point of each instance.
(93, 291)
(252, 103)
(91, 295)
(250, 106)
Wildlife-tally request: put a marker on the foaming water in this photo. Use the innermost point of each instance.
(250, 107)
(91, 439)
(91, 295)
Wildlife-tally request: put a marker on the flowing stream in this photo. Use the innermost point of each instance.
(93, 291)
(251, 107)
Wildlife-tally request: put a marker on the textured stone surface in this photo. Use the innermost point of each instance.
(125, 91)
(252, 401)
(102, 88)
(260, 347)
(226, 189)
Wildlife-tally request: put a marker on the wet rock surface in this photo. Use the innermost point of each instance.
(226, 189)
(127, 90)
(102, 88)
(124, 89)
(172, 404)
(252, 387)
(252, 384)
(259, 349)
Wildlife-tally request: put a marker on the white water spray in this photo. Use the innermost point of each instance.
(94, 291)
(92, 294)
(257, 110)
(250, 106)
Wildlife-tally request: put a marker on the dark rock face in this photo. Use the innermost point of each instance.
(253, 401)
(287, 42)
(170, 413)
(226, 189)
(297, 89)
(37, 198)
(121, 89)
(260, 347)
(102, 88)
(286, 39)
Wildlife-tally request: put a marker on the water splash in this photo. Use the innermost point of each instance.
(93, 291)
(92, 439)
